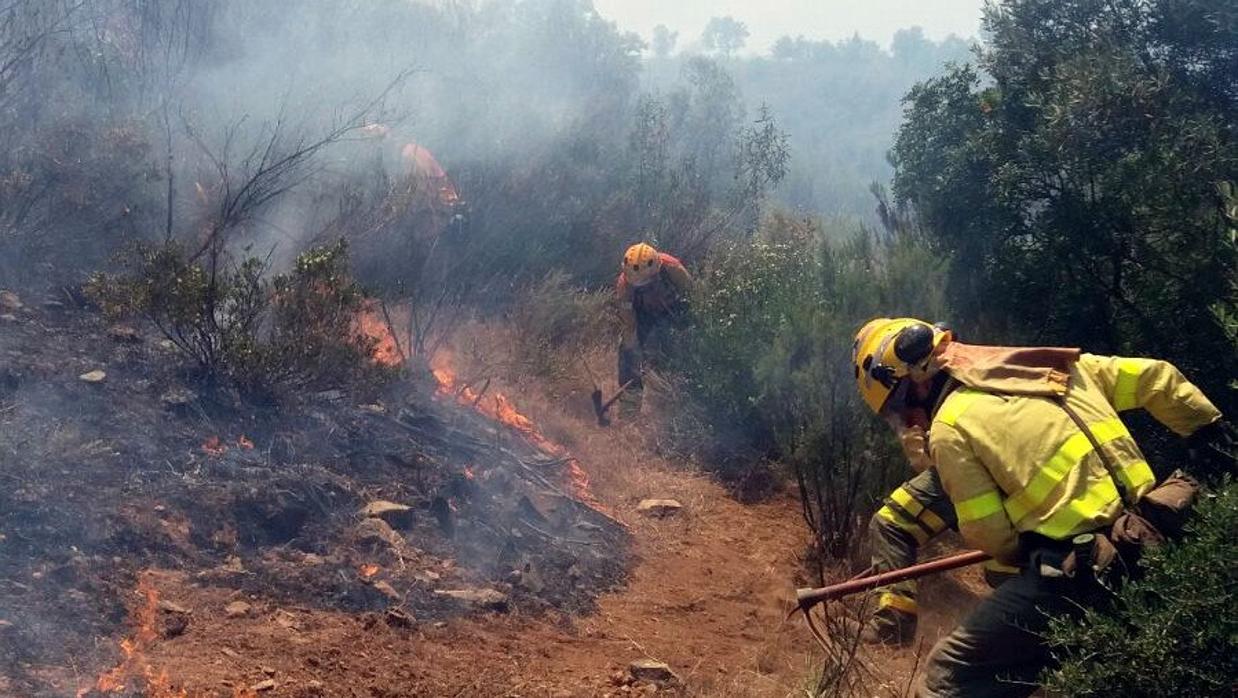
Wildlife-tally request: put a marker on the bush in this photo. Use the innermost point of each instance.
(296, 330)
(1173, 631)
(767, 361)
(552, 317)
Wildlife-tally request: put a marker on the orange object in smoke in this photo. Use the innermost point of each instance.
(368, 570)
(213, 446)
(371, 323)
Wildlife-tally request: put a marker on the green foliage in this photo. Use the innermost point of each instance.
(1074, 179)
(768, 359)
(293, 331)
(1171, 633)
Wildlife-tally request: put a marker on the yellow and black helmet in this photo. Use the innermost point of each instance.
(885, 351)
(641, 264)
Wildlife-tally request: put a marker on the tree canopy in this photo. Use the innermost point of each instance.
(1077, 176)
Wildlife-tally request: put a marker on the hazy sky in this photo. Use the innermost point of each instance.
(814, 19)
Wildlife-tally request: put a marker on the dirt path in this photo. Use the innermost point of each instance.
(707, 596)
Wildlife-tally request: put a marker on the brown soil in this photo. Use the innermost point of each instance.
(706, 591)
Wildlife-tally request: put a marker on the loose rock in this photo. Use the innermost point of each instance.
(170, 607)
(427, 576)
(237, 609)
(178, 398)
(377, 531)
(488, 599)
(10, 301)
(124, 334)
(660, 508)
(173, 625)
(268, 685)
(95, 376)
(652, 671)
(396, 515)
(387, 590)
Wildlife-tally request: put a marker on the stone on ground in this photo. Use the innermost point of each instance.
(396, 515)
(124, 334)
(237, 609)
(660, 508)
(377, 531)
(387, 590)
(488, 599)
(652, 671)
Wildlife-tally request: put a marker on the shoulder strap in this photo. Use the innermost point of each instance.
(1100, 453)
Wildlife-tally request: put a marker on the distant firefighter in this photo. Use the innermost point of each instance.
(652, 289)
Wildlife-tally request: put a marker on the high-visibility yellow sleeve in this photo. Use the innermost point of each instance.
(1155, 385)
(977, 500)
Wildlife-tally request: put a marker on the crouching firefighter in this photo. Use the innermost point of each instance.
(912, 515)
(1043, 475)
(651, 291)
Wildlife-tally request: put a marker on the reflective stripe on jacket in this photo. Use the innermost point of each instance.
(1018, 463)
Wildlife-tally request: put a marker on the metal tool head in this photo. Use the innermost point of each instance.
(598, 408)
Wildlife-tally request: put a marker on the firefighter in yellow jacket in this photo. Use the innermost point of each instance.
(1014, 437)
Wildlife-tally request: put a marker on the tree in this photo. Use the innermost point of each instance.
(664, 41)
(724, 35)
(1074, 178)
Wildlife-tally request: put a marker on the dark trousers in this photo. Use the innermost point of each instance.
(651, 331)
(999, 649)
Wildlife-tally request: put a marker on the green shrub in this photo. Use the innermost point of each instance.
(766, 362)
(295, 330)
(1171, 633)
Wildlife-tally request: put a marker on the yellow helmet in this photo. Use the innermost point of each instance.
(886, 350)
(641, 264)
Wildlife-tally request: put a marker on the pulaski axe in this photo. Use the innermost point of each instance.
(600, 405)
(806, 598)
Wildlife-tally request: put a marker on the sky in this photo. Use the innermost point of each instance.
(768, 20)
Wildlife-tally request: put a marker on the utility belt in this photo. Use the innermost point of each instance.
(1109, 555)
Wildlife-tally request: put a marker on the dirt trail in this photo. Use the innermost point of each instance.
(707, 593)
(707, 596)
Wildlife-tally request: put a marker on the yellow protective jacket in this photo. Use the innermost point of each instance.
(1013, 461)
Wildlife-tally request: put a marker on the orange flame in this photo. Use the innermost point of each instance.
(134, 663)
(213, 446)
(468, 473)
(367, 570)
(371, 323)
(244, 443)
(503, 411)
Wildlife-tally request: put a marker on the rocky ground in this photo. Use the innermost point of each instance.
(155, 541)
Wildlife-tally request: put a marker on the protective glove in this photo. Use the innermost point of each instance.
(1211, 448)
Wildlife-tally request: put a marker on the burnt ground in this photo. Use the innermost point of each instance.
(100, 481)
(256, 557)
